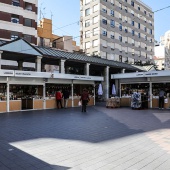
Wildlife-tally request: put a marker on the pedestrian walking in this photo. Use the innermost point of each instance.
(161, 99)
(59, 99)
(66, 95)
(84, 99)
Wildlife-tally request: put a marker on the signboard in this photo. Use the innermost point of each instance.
(141, 74)
(77, 77)
(32, 74)
(7, 73)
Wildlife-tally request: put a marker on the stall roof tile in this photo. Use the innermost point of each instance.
(82, 57)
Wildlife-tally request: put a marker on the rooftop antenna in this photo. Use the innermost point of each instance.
(51, 15)
(43, 14)
(41, 11)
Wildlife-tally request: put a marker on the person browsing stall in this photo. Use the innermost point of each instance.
(85, 99)
(59, 99)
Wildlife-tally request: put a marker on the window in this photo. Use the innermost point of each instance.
(150, 31)
(120, 16)
(120, 27)
(126, 30)
(132, 12)
(112, 36)
(145, 12)
(87, 23)
(112, 23)
(125, 0)
(138, 7)
(87, 45)
(139, 44)
(95, 43)
(14, 35)
(104, 33)
(132, 3)
(15, 19)
(126, 39)
(95, 20)
(28, 38)
(104, 10)
(15, 3)
(138, 35)
(146, 56)
(133, 42)
(120, 58)
(126, 19)
(120, 5)
(126, 10)
(133, 52)
(133, 23)
(145, 29)
(28, 6)
(138, 25)
(150, 40)
(104, 43)
(104, 21)
(87, 34)
(105, 0)
(120, 38)
(145, 38)
(87, 12)
(150, 23)
(95, 31)
(111, 12)
(27, 22)
(95, 8)
(112, 2)
(133, 32)
(87, 1)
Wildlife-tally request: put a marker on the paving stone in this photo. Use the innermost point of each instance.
(102, 139)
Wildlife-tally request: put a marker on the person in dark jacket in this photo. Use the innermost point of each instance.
(66, 95)
(85, 99)
(161, 98)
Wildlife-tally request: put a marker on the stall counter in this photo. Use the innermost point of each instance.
(3, 106)
(125, 101)
(38, 103)
(155, 103)
(15, 105)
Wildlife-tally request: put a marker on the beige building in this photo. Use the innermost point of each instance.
(47, 39)
(117, 30)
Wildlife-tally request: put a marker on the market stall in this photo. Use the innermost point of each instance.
(148, 84)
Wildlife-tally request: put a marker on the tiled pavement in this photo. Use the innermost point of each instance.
(101, 139)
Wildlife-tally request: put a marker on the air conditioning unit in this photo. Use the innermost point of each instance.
(133, 53)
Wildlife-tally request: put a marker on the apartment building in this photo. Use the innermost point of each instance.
(120, 30)
(18, 18)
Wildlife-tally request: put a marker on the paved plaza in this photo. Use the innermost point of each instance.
(101, 139)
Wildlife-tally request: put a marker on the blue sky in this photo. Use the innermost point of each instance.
(66, 12)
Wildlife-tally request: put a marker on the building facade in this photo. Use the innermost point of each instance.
(18, 18)
(46, 38)
(117, 30)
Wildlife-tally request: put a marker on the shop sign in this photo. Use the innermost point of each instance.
(141, 74)
(77, 77)
(32, 74)
(6, 73)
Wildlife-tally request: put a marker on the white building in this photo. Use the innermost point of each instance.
(117, 30)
